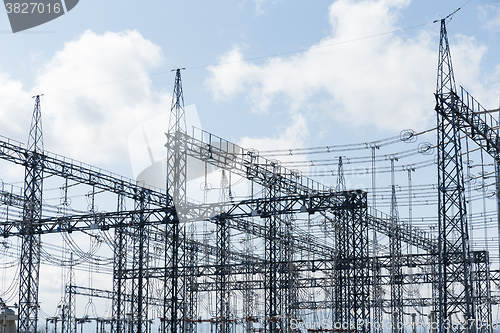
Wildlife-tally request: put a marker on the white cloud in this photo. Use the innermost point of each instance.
(293, 135)
(468, 61)
(386, 81)
(90, 124)
(490, 14)
(94, 123)
(12, 111)
(259, 4)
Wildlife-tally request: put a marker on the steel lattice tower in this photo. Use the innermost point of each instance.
(175, 259)
(276, 274)
(340, 177)
(271, 297)
(482, 290)
(222, 279)
(454, 284)
(140, 265)
(290, 297)
(176, 154)
(376, 269)
(222, 265)
(395, 269)
(352, 289)
(248, 293)
(32, 212)
(119, 267)
(191, 283)
(68, 310)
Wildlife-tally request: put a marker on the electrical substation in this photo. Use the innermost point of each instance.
(267, 247)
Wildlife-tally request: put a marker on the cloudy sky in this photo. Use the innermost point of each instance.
(363, 70)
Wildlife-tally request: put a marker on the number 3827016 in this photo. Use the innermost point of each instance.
(32, 7)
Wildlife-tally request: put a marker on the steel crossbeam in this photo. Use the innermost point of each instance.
(53, 164)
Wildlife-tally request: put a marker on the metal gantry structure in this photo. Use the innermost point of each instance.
(454, 285)
(175, 253)
(292, 256)
(462, 284)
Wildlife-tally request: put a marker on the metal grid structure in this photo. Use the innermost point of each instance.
(161, 265)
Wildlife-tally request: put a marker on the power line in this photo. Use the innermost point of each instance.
(231, 62)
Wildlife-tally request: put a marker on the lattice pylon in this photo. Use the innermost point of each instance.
(396, 262)
(32, 213)
(119, 274)
(175, 299)
(454, 296)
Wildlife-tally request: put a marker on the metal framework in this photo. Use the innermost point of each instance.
(175, 305)
(280, 283)
(454, 268)
(273, 259)
(69, 309)
(119, 267)
(462, 277)
(396, 265)
(32, 212)
(140, 262)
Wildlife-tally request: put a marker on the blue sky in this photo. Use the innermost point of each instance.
(350, 89)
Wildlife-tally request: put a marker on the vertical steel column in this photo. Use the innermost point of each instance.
(455, 303)
(271, 275)
(359, 257)
(222, 272)
(341, 289)
(119, 281)
(482, 295)
(342, 268)
(340, 176)
(352, 288)
(290, 300)
(376, 267)
(174, 298)
(287, 284)
(140, 265)
(69, 309)
(395, 271)
(272, 279)
(192, 281)
(32, 212)
(359, 244)
(222, 269)
(248, 292)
